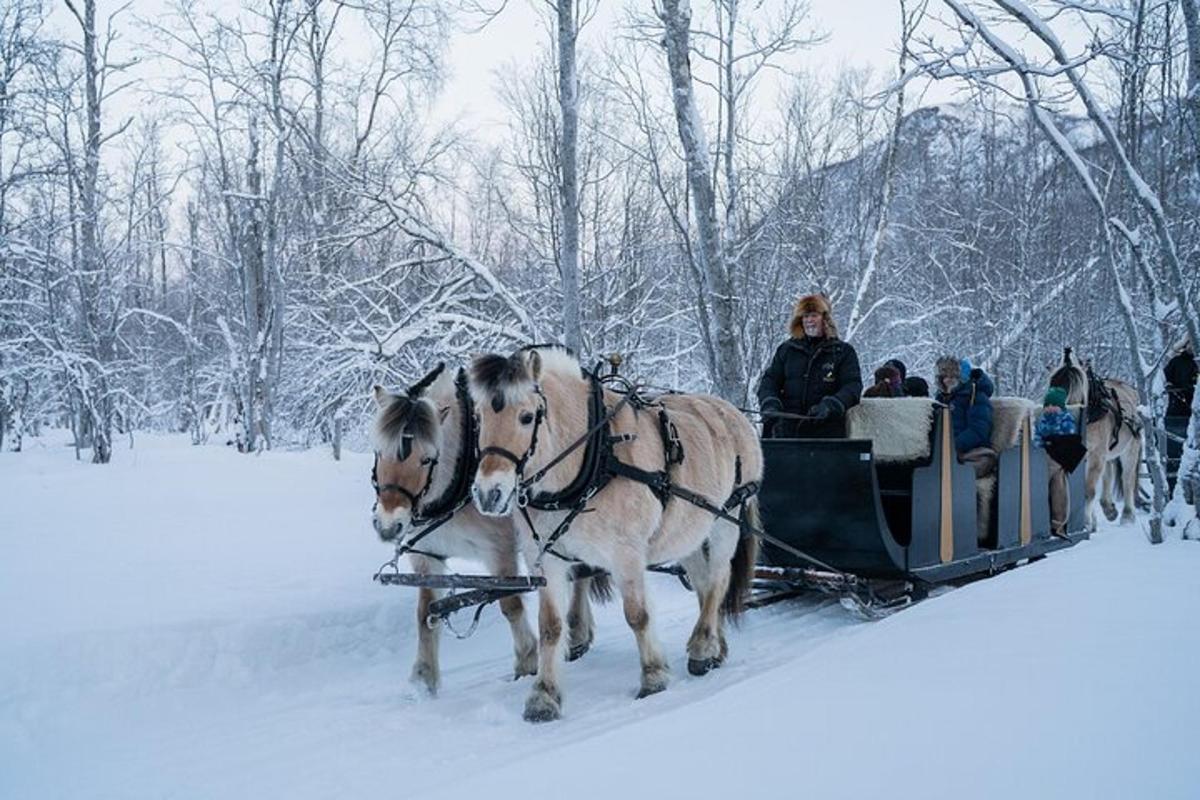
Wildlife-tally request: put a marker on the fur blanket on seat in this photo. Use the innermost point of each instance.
(1007, 415)
(899, 428)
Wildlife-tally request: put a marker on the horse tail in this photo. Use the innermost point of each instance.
(741, 567)
(601, 589)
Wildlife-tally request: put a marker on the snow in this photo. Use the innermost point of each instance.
(188, 622)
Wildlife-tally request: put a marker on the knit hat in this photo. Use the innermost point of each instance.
(1055, 396)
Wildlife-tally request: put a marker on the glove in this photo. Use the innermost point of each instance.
(820, 412)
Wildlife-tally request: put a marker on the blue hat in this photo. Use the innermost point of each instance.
(964, 370)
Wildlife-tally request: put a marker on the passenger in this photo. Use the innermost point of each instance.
(1055, 421)
(968, 393)
(888, 383)
(916, 386)
(1180, 374)
(813, 374)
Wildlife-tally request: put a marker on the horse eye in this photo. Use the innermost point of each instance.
(527, 418)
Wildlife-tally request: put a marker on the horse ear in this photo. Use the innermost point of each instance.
(534, 361)
(381, 396)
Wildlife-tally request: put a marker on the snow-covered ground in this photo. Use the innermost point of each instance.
(191, 623)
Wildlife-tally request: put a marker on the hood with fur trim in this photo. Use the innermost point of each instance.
(807, 304)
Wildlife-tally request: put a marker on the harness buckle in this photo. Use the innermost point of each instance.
(522, 498)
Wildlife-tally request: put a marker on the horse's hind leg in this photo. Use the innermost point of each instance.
(580, 624)
(1095, 469)
(655, 673)
(545, 696)
(1106, 496)
(425, 671)
(1129, 482)
(503, 561)
(708, 571)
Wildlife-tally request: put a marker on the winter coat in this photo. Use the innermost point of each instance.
(1180, 373)
(1053, 423)
(971, 411)
(806, 372)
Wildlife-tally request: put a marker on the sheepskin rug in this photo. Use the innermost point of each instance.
(899, 427)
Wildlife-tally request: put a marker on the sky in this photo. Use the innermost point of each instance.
(860, 33)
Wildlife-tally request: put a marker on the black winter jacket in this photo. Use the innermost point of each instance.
(806, 372)
(1180, 373)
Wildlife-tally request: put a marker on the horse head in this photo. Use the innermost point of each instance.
(407, 437)
(511, 408)
(1072, 376)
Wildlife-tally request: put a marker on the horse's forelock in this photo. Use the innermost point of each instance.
(500, 379)
(405, 418)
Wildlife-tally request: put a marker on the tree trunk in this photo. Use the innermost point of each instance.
(568, 156)
(717, 290)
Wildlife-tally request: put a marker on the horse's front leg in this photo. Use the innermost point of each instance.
(503, 562)
(426, 672)
(545, 697)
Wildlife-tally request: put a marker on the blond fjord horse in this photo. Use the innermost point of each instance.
(532, 406)
(419, 454)
(1113, 436)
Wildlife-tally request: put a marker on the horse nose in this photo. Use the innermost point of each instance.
(387, 530)
(492, 499)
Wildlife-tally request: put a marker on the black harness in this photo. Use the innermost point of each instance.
(428, 517)
(1102, 400)
(601, 464)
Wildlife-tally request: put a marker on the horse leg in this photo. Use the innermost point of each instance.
(425, 671)
(655, 673)
(1129, 482)
(708, 571)
(503, 561)
(544, 702)
(1095, 468)
(1106, 496)
(580, 623)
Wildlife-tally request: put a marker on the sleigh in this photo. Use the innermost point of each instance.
(892, 505)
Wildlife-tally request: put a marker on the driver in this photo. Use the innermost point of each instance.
(813, 374)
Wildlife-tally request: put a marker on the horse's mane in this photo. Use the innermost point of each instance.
(1071, 377)
(402, 420)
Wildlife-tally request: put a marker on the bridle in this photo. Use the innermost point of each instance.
(430, 463)
(519, 462)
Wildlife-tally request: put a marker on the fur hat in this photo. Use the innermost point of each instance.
(948, 367)
(899, 365)
(809, 304)
(1055, 396)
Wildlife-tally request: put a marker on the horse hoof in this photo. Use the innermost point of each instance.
(577, 650)
(425, 677)
(542, 706)
(702, 666)
(1110, 514)
(646, 691)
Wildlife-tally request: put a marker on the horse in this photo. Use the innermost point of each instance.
(616, 503)
(1114, 441)
(424, 443)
